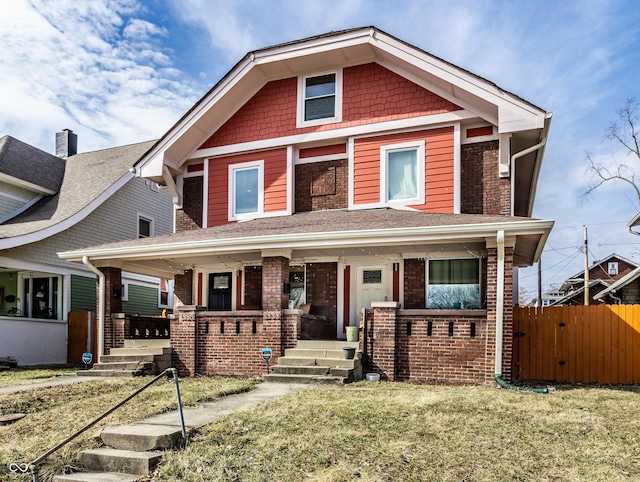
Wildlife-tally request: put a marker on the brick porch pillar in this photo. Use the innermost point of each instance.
(275, 273)
(183, 289)
(184, 339)
(383, 352)
(112, 304)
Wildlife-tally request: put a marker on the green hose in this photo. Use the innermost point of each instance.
(503, 384)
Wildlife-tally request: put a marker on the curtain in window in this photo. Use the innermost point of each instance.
(246, 190)
(402, 174)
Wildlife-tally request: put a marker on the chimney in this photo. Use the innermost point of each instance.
(66, 143)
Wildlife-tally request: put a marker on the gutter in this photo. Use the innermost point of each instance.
(500, 322)
(101, 300)
(539, 146)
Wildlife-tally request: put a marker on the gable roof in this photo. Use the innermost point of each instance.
(318, 232)
(580, 290)
(621, 283)
(478, 97)
(598, 264)
(89, 180)
(30, 167)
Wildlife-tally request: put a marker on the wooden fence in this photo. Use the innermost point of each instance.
(577, 344)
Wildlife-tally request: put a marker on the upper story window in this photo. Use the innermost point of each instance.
(402, 173)
(320, 99)
(245, 190)
(145, 226)
(613, 268)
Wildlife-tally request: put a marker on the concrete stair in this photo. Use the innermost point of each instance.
(137, 357)
(130, 451)
(317, 362)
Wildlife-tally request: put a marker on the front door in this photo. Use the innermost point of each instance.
(219, 292)
(371, 286)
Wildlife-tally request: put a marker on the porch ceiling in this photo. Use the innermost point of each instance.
(316, 235)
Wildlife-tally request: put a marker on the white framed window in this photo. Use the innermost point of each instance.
(320, 98)
(402, 173)
(165, 293)
(145, 226)
(124, 293)
(453, 284)
(246, 190)
(612, 269)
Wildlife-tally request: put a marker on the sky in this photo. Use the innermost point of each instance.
(123, 71)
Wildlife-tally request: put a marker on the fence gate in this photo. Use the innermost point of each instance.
(586, 344)
(81, 336)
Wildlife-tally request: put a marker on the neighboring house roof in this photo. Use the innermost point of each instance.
(621, 283)
(579, 276)
(316, 232)
(578, 291)
(28, 166)
(89, 180)
(527, 124)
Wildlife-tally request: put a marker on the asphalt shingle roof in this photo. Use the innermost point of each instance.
(86, 177)
(30, 164)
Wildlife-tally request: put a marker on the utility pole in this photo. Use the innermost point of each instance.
(586, 268)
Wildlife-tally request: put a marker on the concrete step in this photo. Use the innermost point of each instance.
(114, 460)
(109, 373)
(326, 344)
(146, 343)
(95, 477)
(125, 365)
(316, 353)
(127, 358)
(142, 437)
(325, 362)
(320, 379)
(158, 350)
(300, 370)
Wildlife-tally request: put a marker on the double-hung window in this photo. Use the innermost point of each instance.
(454, 283)
(320, 99)
(245, 190)
(402, 169)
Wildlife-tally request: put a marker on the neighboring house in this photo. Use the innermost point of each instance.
(338, 173)
(625, 290)
(50, 203)
(602, 275)
(548, 298)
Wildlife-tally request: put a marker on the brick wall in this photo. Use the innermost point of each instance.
(322, 185)
(183, 288)
(483, 191)
(275, 272)
(414, 284)
(253, 287)
(112, 279)
(190, 216)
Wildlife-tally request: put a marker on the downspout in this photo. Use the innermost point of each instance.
(101, 291)
(500, 321)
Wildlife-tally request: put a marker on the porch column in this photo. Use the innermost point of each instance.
(184, 342)
(383, 352)
(275, 273)
(112, 305)
(507, 314)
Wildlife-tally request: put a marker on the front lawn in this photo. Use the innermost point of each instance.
(55, 413)
(397, 432)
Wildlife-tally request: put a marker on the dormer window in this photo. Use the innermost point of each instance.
(613, 268)
(320, 99)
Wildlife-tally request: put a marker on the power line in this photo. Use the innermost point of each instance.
(578, 251)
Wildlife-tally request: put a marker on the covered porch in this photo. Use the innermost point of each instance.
(438, 289)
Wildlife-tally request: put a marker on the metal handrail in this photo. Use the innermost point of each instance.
(34, 466)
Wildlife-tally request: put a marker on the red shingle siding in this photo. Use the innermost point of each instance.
(371, 93)
(275, 183)
(439, 153)
(322, 151)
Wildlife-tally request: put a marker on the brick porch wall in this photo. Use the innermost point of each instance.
(190, 216)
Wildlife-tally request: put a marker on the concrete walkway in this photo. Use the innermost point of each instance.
(63, 380)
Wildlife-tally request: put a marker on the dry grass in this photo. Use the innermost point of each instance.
(26, 376)
(393, 432)
(55, 413)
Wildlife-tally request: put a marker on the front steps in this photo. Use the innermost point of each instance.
(138, 357)
(130, 451)
(317, 362)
